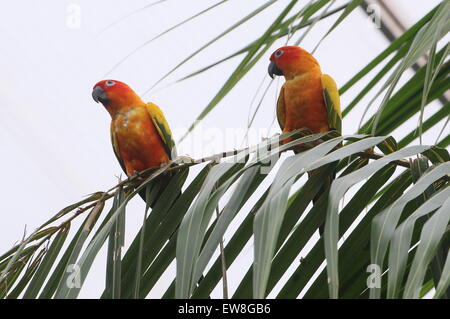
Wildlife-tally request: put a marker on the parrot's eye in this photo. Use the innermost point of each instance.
(110, 83)
(278, 53)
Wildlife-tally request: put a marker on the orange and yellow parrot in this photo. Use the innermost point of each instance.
(305, 96)
(140, 135)
(308, 98)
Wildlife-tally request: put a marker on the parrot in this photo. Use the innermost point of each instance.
(140, 134)
(307, 99)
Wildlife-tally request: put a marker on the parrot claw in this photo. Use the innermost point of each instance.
(137, 174)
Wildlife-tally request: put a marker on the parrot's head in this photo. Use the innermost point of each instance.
(291, 61)
(114, 95)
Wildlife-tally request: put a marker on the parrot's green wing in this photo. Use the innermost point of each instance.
(163, 129)
(116, 148)
(332, 102)
(281, 109)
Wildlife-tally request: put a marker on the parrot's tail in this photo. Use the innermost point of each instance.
(323, 189)
(155, 189)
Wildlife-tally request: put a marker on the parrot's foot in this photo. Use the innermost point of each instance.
(137, 174)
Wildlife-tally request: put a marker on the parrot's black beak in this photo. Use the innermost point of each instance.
(274, 70)
(99, 95)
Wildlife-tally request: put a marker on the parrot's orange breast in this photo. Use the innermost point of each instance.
(139, 144)
(304, 103)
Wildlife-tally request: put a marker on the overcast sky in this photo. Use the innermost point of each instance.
(55, 140)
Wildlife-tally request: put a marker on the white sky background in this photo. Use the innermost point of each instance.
(55, 140)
